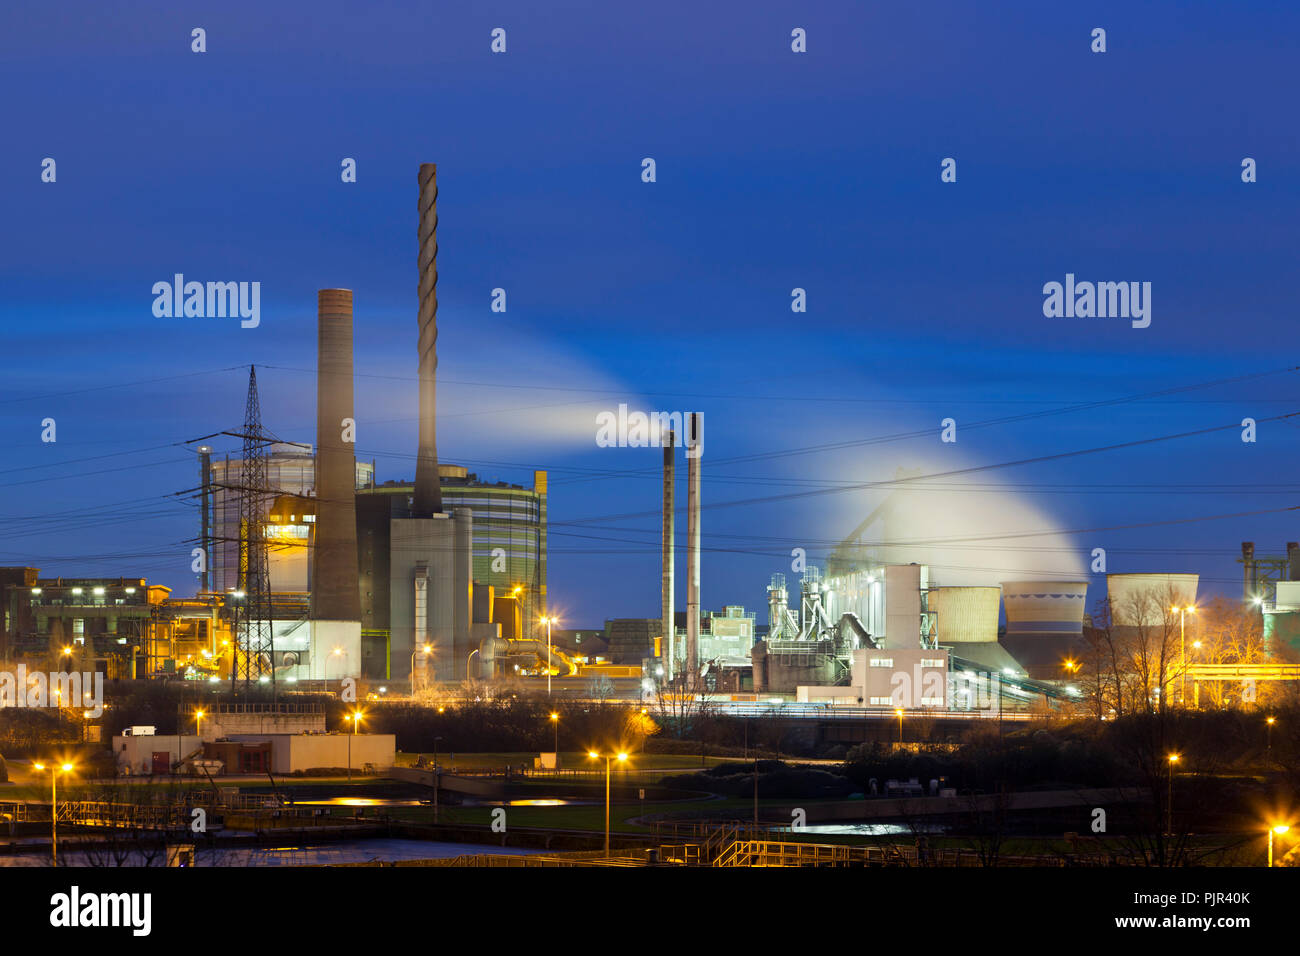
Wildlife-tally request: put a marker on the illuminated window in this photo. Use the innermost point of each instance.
(882, 662)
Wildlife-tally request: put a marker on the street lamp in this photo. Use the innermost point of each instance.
(899, 712)
(355, 717)
(548, 621)
(1173, 759)
(607, 757)
(198, 724)
(555, 719)
(1279, 829)
(1268, 724)
(54, 806)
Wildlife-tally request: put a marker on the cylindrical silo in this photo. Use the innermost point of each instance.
(966, 614)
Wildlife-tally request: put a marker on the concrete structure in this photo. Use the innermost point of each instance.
(693, 551)
(300, 753)
(1144, 600)
(335, 601)
(907, 678)
(507, 518)
(1044, 624)
(153, 755)
(224, 720)
(668, 627)
(965, 614)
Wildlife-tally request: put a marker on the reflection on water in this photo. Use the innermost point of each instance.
(412, 802)
(358, 802)
(529, 802)
(862, 829)
(353, 851)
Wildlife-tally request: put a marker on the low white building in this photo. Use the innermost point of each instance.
(908, 678)
(144, 755)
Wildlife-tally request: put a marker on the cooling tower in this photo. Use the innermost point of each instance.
(1044, 624)
(966, 614)
(1044, 607)
(1144, 600)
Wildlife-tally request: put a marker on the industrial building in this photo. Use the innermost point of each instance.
(885, 636)
(230, 739)
(393, 580)
(1272, 583)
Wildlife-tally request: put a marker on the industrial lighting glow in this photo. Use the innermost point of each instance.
(36, 590)
(236, 594)
(98, 590)
(76, 590)
(130, 590)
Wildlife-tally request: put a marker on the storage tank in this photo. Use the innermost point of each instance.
(1044, 625)
(966, 614)
(1144, 600)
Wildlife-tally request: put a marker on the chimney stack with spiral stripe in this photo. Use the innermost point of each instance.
(428, 491)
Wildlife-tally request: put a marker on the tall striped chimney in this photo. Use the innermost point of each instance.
(428, 490)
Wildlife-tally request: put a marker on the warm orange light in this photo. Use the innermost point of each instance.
(592, 753)
(622, 756)
(1173, 758)
(1281, 828)
(1272, 720)
(555, 716)
(898, 713)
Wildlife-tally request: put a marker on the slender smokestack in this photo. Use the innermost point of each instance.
(1248, 570)
(694, 448)
(335, 592)
(205, 531)
(428, 491)
(666, 649)
(1293, 560)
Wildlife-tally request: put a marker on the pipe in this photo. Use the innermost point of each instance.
(693, 452)
(666, 649)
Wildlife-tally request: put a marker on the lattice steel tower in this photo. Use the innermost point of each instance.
(253, 622)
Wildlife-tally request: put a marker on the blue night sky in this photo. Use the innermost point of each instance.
(775, 170)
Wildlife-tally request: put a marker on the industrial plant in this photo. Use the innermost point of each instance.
(314, 569)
